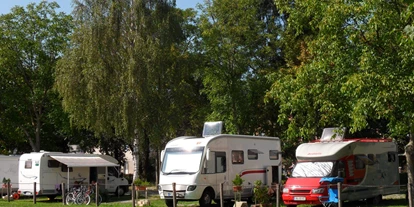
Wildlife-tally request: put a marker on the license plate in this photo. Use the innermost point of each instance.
(177, 194)
(299, 198)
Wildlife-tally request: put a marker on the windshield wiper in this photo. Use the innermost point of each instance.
(178, 171)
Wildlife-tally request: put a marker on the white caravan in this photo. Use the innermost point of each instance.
(9, 170)
(50, 169)
(197, 166)
(368, 167)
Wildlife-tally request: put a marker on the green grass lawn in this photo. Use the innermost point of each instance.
(125, 201)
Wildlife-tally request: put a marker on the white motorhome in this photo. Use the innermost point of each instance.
(368, 167)
(9, 171)
(50, 169)
(198, 165)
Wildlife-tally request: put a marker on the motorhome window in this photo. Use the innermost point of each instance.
(391, 156)
(64, 168)
(237, 157)
(338, 169)
(252, 154)
(112, 171)
(220, 162)
(182, 160)
(359, 163)
(53, 163)
(371, 157)
(312, 169)
(273, 154)
(28, 164)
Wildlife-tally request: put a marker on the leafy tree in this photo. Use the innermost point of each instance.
(126, 73)
(32, 42)
(353, 68)
(240, 39)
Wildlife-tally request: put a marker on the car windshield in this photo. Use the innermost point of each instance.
(182, 160)
(312, 169)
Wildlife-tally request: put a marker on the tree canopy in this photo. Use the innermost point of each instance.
(32, 41)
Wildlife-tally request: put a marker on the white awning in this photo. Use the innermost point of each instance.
(83, 161)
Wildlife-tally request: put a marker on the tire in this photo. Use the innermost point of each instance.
(170, 202)
(375, 200)
(70, 199)
(291, 206)
(120, 191)
(83, 199)
(93, 198)
(206, 198)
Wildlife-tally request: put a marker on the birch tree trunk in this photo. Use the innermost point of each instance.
(409, 153)
(135, 155)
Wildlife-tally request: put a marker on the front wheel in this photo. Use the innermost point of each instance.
(375, 200)
(120, 191)
(206, 198)
(70, 199)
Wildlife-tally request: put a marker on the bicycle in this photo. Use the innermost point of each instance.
(78, 196)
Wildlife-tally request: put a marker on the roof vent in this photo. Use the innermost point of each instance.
(74, 148)
(212, 128)
(333, 134)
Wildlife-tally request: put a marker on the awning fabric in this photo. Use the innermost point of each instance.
(83, 161)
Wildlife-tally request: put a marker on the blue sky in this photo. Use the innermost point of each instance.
(66, 5)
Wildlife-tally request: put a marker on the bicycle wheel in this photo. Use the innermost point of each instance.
(93, 198)
(70, 199)
(83, 198)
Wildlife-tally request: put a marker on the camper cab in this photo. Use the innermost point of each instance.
(369, 168)
(9, 171)
(50, 169)
(198, 165)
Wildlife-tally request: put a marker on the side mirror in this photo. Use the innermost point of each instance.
(162, 155)
(208, 154)
(341, 173)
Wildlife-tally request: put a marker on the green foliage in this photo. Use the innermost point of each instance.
(347, 67)
(33, 39)
(239, 41)
(260, 193)
(6, 180)
(141, 182)
(238, 180)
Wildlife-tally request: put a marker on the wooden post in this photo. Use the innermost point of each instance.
(97, 194)
(221, 195)
(62, 188)
(133, 195)
(277, 195)
(8, 191)
(174, 196)
(409, 193)
(339, 194)
(34, 193)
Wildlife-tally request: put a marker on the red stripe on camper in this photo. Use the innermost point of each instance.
(252, 172)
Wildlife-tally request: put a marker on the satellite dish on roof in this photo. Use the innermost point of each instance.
(333, 134)
(212, 128)
(74, 148)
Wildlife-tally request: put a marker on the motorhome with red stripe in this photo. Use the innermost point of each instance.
(368, 168)
(198, 165)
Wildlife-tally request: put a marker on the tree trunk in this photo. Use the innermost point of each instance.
(409, 153)
(145, 159)
(157, 166)
(135, 155)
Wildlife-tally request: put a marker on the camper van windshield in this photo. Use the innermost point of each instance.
(312, 169)
(182, 160)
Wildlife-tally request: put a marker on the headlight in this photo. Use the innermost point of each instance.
(285, 190)
(318, 190)
(159, 188)
(191, 187)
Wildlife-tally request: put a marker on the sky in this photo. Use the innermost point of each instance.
(66, 5)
